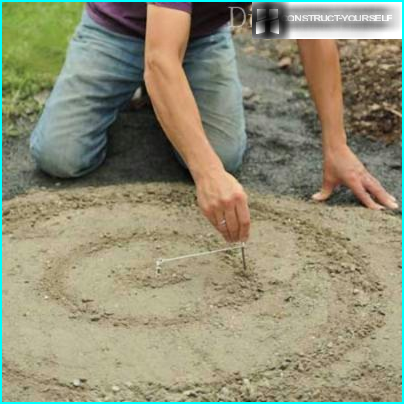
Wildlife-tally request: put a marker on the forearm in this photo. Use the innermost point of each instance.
(322, 69)
(220, 196)
(178, 114)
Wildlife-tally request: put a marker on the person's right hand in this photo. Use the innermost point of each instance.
(224, 203)
(342, 167)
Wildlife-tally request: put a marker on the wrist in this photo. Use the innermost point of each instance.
(334, 142)
(208, 168)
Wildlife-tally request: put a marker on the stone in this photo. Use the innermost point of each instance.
(190, 393)
(77, 383)
(247, 93)
(285, 62)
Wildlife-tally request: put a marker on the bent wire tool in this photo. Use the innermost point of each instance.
(241, 247)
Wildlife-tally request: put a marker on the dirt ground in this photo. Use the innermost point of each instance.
(371, 71)
(284, 149)
(317, 316)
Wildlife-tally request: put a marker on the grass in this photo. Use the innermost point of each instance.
(35, 37)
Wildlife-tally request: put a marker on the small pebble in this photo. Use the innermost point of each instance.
(190, 393)
(86, 300)
(76, 382)
(247, 93)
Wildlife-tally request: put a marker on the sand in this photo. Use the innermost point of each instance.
(316, 316)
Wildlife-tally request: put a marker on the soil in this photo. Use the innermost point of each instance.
(316, 317)
(284, 149)
(371, 73)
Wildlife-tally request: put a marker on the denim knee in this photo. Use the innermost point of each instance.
(231, 152)
(58, 159)
(231, 158)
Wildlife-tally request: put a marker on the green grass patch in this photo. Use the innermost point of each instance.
(35, 38)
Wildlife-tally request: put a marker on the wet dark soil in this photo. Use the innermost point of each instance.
(283, 156)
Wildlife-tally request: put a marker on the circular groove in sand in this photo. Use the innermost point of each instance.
(310, 243)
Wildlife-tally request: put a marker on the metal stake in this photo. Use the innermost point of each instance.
(161, 261)
(243, 256)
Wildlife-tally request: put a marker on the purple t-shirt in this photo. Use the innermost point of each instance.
(130, 18)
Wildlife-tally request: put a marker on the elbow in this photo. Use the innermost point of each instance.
(158, 68)
(152, 67)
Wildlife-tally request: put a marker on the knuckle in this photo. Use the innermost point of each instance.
(226, 202)
(240, 196)
(210, 211)
(355, 184)
(369, 179)
(245, 223)
(352, 177)
(207, 210)
(377, 183)
(213, 207)
(359, 192)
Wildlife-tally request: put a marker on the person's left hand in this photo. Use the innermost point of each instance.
(342, 167)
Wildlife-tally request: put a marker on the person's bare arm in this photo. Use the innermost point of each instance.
(340, 167)
(220, 196)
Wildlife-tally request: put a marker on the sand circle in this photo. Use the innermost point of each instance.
(93, 304)
(113, 278)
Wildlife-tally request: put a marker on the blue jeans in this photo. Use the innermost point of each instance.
(102, 71)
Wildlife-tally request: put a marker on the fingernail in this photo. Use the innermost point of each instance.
(394, 206)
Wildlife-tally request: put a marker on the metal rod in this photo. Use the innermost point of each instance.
(243, 256)
(162, 260)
